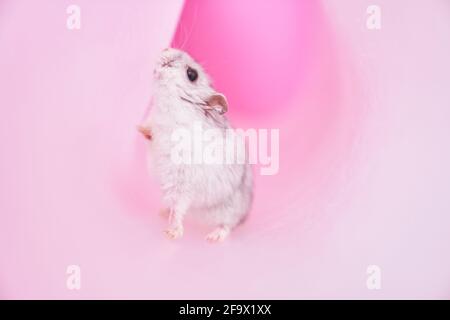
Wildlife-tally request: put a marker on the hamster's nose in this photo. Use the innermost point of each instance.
(166, 63)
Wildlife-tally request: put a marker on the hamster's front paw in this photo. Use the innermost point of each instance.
(145, 131)
(174, 232)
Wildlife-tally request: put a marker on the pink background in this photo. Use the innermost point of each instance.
(364, 149)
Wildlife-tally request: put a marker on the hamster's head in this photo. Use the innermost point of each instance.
(179, 73)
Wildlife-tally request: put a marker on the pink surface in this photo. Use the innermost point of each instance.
(364, 152)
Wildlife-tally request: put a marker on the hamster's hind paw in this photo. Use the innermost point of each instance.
(218, 234)
(174, 232)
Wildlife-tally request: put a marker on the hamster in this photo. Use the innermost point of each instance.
(220, 194)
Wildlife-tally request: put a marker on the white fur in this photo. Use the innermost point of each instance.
(220, 194)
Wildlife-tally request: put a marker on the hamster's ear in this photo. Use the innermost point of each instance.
(218, 102)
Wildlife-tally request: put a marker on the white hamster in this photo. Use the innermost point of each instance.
(221, 193)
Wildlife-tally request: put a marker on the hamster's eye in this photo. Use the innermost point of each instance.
(192, 74)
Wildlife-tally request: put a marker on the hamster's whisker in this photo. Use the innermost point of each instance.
(194, 103)
(192, 27)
